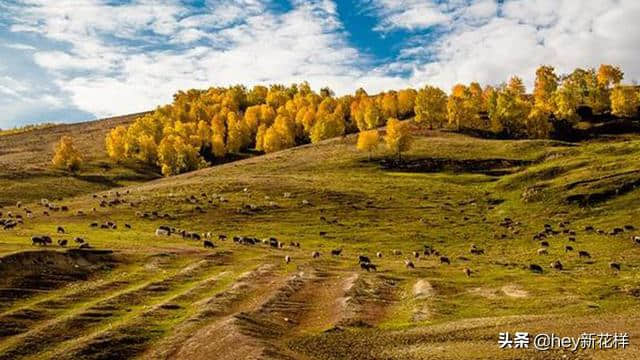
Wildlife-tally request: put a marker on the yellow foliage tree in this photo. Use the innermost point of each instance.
(516, 86)
(538, 123)
(460, 107)
(368, 141)
(511, 112)
(624, 101)
(389, 105)
(372, 116)
(326, 127)
(609, 75)
(237, 133)
(398, 137)
(66, 156)
(406, 102)
(218, 132)
(176, 156)
(115, 143)
(280, 135)
(431, 107)
(545, 86)
(566, 101)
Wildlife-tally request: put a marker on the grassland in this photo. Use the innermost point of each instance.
(25, 162)
(167, 297)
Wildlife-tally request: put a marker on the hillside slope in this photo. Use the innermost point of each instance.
(458, 202)
(25, 161)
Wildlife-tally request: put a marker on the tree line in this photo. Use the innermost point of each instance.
(200, 126)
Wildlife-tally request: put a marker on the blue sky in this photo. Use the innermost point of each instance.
(74, 60)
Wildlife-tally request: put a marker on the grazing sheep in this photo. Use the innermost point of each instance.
(636, 239)
(614, 266)
(336, 252)
(322, 233)
(588, 228)
(629, 227)
(363, 259)
(37, 240)
(583, 253)
(222, 237)
(128, 226)
(162, 232)
(85, 246)
(572, 238)
(467, 272)
(535, 268)
(208, 244)
(379, 254)
(409, 264)
(368, 266)
(273, 243)
(556, 265)
(416, 254)
(62, 243)
(444, 260)
(79, 240)
(544, 244)
(47, 239)
(477, 251)
(60, 230)
(315, 254)
(397, 252)
(287, 259)
(568, 248)
(295, 244)
(543, 251)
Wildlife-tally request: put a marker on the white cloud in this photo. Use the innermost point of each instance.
(18, 46)
(111, 59)
(250, 45)
(562, 33)
(410, 14)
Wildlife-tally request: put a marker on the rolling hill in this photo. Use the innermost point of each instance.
(458, 202)
(25, 162)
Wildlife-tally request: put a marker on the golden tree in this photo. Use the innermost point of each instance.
(511, 111)
(406, 102)
(372, 116)
(431, 107)
(516, 86)
(460, 107)
(609, 75)
(398, 137)
(566, 100)
(115, 143)
(368, 141)
(176, 156)
(545, 86)
(538, 123)
(280, 135)
(624, 101)
(66, 156)
(389, 105)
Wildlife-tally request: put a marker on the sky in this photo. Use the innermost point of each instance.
(76, 60)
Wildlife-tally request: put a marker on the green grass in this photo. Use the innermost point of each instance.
(381, 210)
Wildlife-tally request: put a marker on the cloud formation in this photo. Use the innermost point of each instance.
(105, 58)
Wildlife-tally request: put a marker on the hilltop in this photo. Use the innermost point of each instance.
(158, 297)
(25, 161)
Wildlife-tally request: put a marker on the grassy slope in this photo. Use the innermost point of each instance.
(433, 311)
(25, 162)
